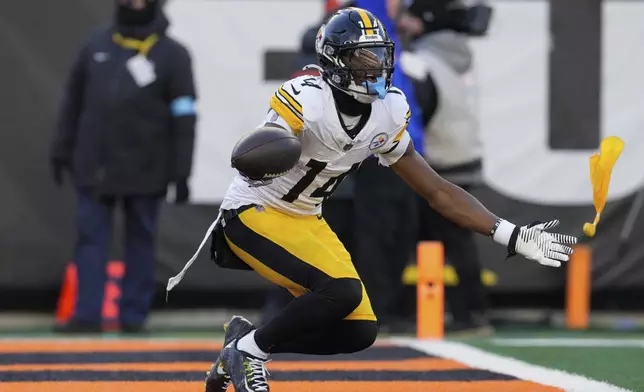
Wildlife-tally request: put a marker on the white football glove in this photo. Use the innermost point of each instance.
(534, 243)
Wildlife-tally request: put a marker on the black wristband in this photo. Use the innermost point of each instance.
(496, 226)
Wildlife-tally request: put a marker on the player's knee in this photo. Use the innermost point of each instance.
(343, 295)
(366, 335)
(359, 335)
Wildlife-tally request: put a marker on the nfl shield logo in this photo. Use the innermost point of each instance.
(347, 147)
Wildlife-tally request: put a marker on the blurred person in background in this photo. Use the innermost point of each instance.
(440, 61)
(125, 136)
(385, 240)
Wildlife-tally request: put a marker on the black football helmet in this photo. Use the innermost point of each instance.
(356, 54)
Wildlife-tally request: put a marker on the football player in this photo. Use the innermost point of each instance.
(342, 117)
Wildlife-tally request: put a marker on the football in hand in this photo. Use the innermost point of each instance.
(266, 153)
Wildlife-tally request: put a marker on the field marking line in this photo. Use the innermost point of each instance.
(480, 359)
(568, 342)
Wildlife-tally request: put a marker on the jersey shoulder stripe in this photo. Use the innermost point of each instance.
(288, 114)
(301, 100)
(289, 109)
(398, 107)
(400, 134)
(290, 100)
(396, 141)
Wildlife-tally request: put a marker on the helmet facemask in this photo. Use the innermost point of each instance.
(362, 70)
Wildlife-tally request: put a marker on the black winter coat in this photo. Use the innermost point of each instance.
(119, 138)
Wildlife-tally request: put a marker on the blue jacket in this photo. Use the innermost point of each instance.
(415, 128)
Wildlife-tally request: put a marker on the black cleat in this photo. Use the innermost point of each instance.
(247, 373)
(217, 380)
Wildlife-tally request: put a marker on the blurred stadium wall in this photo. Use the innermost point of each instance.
(554, 79)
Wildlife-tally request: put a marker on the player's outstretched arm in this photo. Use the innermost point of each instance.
(448, 199)
(457, 205)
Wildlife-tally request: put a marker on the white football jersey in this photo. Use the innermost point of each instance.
(306, 107)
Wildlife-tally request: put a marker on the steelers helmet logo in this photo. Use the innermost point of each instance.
(319, 40)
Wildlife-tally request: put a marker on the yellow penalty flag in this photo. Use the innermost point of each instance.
(601, 167)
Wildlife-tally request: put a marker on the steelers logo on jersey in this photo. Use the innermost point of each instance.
(378, 141)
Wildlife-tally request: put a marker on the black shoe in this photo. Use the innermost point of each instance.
(217, 380)
(247, 373)
(76, 327)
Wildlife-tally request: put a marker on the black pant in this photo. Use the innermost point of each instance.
(460, 250)
(385, 234)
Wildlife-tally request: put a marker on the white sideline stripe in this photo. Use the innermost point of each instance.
(496, 363)
(567, 342)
